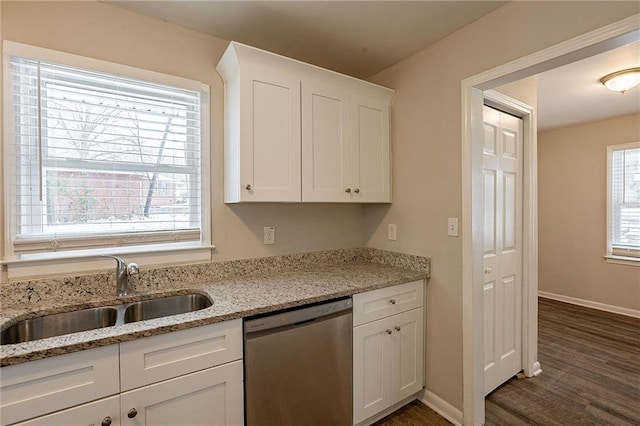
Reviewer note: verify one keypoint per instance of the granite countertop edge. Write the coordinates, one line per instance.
(233, 298)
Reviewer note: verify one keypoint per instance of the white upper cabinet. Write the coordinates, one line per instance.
(295, 132)
(262, 127)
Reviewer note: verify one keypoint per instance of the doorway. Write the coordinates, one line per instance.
(595, 42)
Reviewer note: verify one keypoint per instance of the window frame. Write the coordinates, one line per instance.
(610, 256)
(26, 265)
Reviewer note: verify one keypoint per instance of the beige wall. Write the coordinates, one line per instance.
(426, 134)
(108, 32)
(572, 176)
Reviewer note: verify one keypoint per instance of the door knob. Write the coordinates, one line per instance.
(392, 301)
(357, 190)
(487, 270)
(397, 327)
(132, 413)
(388, 331)
(106, 421)
(348, 190)
(248, 187)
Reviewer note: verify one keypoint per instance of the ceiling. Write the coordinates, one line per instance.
(573, 93)
(357, 38)
(361, 38)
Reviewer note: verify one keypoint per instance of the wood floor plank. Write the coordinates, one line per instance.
(590, 375)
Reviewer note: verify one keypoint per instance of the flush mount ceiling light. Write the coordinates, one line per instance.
(621, 81)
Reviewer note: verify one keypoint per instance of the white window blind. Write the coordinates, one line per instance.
(100, 160)
(624, 200)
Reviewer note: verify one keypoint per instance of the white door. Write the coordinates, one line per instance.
(370, 149)
(326, 164)
(208, 397)
(270, 135)
(502, 170)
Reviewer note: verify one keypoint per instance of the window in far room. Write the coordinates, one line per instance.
(623, 198)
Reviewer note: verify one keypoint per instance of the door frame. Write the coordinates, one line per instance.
(583, 46)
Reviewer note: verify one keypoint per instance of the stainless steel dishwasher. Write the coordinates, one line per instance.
(298, 366)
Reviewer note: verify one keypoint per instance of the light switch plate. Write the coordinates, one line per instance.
(391, 231)
(452, 227)
(269, 234)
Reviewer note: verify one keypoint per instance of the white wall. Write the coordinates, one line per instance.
(108, 32)
(426, 134)
(572, 185)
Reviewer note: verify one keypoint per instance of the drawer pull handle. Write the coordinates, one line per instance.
(392, 301)
(106, 421)
(132, 413)
(388, 331)
(397, 327)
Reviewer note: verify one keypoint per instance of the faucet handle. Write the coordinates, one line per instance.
(133, 269)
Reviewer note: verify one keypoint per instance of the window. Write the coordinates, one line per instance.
(624, 200)
(100, 159)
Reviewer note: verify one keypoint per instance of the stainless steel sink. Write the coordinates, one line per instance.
(166, 306)
(59, 324)
(106, 316)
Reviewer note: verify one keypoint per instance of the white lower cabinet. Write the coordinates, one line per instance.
(202, 383)
(209, 397)
(388, 357)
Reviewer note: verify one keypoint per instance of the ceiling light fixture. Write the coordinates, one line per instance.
(621, 81)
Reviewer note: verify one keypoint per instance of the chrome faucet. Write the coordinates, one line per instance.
(124, 272)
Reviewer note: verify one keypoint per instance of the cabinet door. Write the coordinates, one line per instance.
(407, 360)
(269, 134)
(208, 397)
(370, 149)
(102, 412)
(39, 387)
(371, 372)
(326, 164)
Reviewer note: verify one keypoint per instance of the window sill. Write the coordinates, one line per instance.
(68, 263)
(622, 260)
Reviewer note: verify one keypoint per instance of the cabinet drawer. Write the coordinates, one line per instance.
(376, 304)
(152, 359)
(43, 386)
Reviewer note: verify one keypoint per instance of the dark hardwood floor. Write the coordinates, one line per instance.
(590, 375)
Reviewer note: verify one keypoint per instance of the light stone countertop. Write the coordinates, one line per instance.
(233, 297)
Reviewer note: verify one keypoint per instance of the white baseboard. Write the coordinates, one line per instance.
(443, 408)
(590, 304)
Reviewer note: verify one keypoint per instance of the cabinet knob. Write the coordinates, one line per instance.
(357, 190)
(106, 421)
(388, 331)
(397, 327)
(392, 301)
(348, 190)
(487, 270)
(132, 413)
(248, 187)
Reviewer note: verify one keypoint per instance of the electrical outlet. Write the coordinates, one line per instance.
(391, 231)
(452, 227)
(269, 234)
